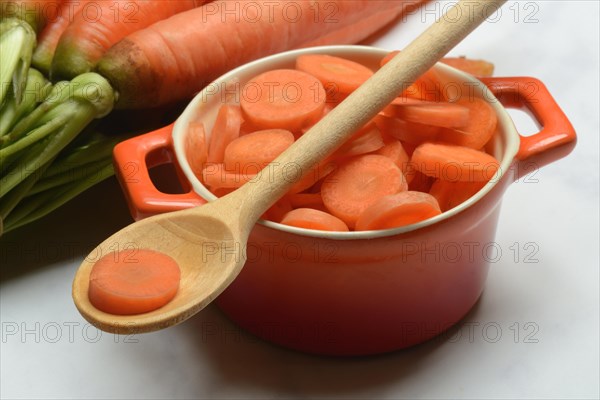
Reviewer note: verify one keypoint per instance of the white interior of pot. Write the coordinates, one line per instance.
(204, 108)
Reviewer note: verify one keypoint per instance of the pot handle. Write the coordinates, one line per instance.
(133, 158)
(556, 137)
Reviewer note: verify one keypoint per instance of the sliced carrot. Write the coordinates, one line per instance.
(397, 210)
(344, 76)
(256, 149)
(215, 176)
(418, 181)
(314, 219)
(442, 114)
(480, 127)
(357, 184)
(454, 163)
(136, 282)
(409, 132)
(426, 87)
(306, 200)
(479, 68)
(409, 147)
(196, 149)
(246, 128)
(395, 152)
(226, 129)
(366, 140)
(452, 194)
(328, 107)
(314, 175)
(277, 211)
(283, 98)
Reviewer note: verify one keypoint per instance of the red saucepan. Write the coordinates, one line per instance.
(350, 293)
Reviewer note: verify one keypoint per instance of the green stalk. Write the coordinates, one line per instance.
(31, 13)
(17, 41)
(84, 155)
(89, 96)
(58, 95)
(79, 173)
(36, 91)
(42, 204)
(35, 135)
(52, 146)
(16, 195)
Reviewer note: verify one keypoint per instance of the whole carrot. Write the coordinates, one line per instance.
(366, 27)
(49, 36)
(176, 57)
(100, 24)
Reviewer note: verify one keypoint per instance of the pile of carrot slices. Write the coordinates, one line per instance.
(422, 155)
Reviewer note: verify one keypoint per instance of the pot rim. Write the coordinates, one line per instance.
(505, 130)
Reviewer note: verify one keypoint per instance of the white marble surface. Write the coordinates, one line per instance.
(534, 334)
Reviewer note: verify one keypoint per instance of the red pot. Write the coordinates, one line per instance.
(354, 293)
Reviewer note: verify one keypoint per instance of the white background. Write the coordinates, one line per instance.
(534, 333)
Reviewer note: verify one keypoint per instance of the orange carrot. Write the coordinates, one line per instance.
(395, 152)
(246, 128)
(360, 182)
(226, 129)
(409, 132)
(454, 163)
(133, 282)
(328, 107)
(480, 127)
(343, 75)
(283, 98)
(196, 149)
(49, 37)
(314, 175)
(161, 63)
(366, 140)
(425, 87)
(215, 176)
(278, 210)
(101, 24)
(397, 210)
(256, 149)
(366, 27)
(442, 114)
(314, 219)
(306, 200)
(418, 181)
(452, 194)
(479, 68)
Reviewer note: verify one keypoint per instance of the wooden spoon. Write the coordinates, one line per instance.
(208, 242)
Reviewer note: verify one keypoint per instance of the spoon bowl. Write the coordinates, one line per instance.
(210, 248)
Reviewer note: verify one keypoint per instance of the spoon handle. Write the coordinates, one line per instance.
(364, 103)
